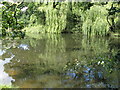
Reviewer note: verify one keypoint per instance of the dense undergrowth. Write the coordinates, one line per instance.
(88, 18)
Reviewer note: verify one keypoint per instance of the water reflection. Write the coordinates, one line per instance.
(24, 46)
(2, 52)
(51, 61)
(5, 79)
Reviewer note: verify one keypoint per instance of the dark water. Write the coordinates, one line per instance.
(60, 61)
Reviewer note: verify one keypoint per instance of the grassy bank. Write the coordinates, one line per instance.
(7, 86)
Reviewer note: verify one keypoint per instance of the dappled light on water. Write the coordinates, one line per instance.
(61, 61)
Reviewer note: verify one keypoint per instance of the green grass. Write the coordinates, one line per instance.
(7, 86)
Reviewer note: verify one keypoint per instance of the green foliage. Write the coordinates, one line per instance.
(113, 15)
(10, 21)
(61, 17)
(55, 17)
(94, 21)
(7, 86)
(36, 29)
(9, 16)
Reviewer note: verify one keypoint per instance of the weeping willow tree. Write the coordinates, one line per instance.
(94, 21)
(56, 14)
(59, 16)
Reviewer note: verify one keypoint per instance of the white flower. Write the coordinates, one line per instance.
(24, 9)
(102, 62)
(98, 62)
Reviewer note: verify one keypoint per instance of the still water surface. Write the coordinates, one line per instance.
(60, 61)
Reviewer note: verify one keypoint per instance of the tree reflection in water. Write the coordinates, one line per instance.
(65, 60)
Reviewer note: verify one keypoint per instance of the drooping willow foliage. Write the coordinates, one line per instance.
(88, 18)
(95, 22)
(85, 17)
(55, 17)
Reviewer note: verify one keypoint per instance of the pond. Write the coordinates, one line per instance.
(60, 61)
